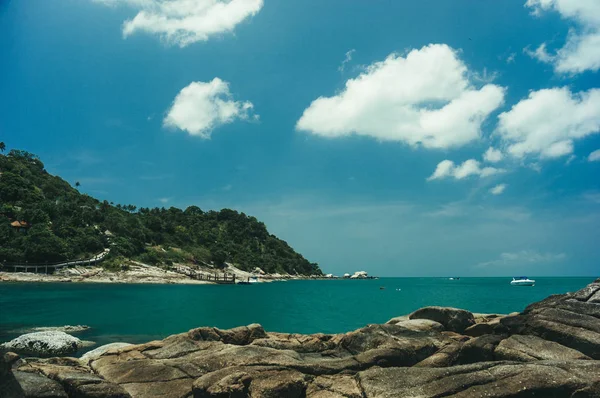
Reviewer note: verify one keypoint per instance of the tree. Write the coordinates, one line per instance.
(2, 146)
(77, 184)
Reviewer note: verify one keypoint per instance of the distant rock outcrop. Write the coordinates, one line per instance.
(550, 350)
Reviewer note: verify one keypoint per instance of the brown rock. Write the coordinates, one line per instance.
(532, 348)
(453, 319)
(259, 382)
(334, 387)
(487, 379)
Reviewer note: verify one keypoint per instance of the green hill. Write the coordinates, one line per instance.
(55, 222)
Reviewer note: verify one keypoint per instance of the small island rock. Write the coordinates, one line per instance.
(44, 344)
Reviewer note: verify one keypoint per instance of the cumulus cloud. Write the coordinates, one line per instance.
(425, 97)
(200, 107)
(581, 52)
(493, 155)
(498, 189)
(471, 167)
(523, 258)
(549, 121)
(594, 156)
(183, 22)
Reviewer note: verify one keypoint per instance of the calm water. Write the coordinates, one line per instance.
(138, 313)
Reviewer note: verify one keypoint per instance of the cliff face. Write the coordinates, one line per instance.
(552, 349)
(44, 219)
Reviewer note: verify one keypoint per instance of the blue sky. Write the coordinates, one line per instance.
(357, 132)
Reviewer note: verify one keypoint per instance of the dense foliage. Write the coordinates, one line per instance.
(59, 223)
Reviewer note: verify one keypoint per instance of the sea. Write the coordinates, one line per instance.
(139, 313)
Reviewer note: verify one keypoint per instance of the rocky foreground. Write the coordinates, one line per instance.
(552, 349)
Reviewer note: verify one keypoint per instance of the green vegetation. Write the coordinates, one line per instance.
(55, 222)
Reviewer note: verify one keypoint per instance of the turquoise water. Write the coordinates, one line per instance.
(138, 313)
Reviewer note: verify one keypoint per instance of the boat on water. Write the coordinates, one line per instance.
(454, 278)
(522, 281)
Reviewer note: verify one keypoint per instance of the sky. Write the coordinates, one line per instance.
(422, 138)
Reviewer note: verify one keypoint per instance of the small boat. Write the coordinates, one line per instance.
(522, 281)
(454, 278)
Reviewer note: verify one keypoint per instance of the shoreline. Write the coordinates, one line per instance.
(140, 273)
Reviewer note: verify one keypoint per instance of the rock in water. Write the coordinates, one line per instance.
(44, 344)
(453, 319)
(67, 328)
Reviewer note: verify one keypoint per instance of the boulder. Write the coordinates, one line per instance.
(260, 382)
(572, 320)
(488, 326)
(35, 385)
(44, 344)
(533, 348)
(96, 352)
(338, 386)
(453, 319)
(485, 379)
(478, 349)
(419, 324)
(239, 336)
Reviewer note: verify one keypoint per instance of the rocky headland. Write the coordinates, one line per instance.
(551, 349)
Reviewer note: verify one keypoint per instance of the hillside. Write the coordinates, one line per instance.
(43, 218)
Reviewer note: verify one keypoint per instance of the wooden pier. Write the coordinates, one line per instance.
(220, 278)
(49, 268)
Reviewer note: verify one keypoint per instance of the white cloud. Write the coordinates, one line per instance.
(447, 168)
(164, 200)
(423, 98)
(523, 258)
(346, 60)
(548, 121)
(581, 52)
(594, 156)
(498, 189)
(493, 155)
(511, 58)
(201, 107)
(183, 22)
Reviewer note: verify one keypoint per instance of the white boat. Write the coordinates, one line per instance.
(522, 281)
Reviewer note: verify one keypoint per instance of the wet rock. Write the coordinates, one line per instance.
(533, 348)
(44, 344)
(453, 319)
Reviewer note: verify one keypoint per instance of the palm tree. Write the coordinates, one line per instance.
(77, 184)
(2, 146)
